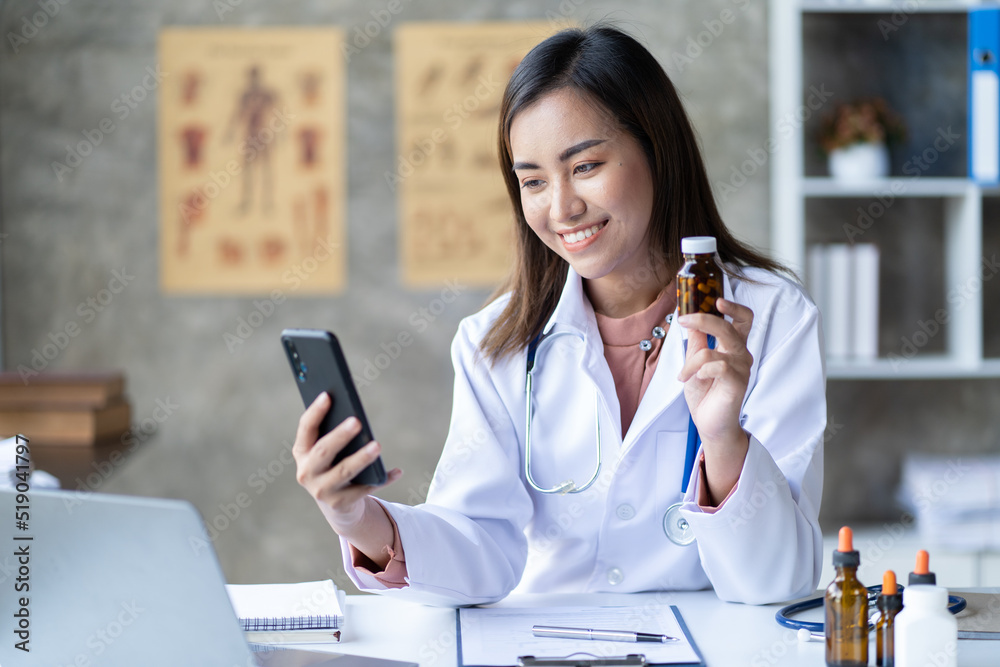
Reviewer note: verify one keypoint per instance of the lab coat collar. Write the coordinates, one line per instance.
(573, 309)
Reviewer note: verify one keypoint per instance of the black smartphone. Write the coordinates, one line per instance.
(319, 365)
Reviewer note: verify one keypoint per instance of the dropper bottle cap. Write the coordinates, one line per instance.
(889, 597)
(845, 555)
(921, 573)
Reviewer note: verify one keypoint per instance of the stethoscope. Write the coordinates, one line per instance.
(675, 526)
(808, 630)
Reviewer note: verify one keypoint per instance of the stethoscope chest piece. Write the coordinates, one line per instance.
(676, 527)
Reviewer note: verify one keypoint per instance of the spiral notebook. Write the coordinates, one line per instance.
(289, 613)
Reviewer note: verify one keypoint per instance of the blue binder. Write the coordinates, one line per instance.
(984, 95)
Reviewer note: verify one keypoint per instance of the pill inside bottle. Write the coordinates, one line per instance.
(699, 282)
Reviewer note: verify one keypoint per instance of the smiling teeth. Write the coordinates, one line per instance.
(576, 237)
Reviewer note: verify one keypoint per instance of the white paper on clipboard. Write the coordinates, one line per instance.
(496, 636)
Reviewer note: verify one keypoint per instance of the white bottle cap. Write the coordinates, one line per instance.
(925, 597)
(698, 245)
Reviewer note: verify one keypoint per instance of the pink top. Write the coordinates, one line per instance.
(632, 369)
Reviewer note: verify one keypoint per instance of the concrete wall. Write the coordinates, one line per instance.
(236, 412)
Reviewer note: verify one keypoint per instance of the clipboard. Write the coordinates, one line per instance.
(629, 655)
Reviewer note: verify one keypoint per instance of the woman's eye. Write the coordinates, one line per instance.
(531, 184)
(586, 167)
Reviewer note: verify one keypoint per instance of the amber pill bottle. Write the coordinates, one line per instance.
(699, 282)
(846, 603)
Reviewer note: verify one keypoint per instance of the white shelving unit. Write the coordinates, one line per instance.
(791, 189)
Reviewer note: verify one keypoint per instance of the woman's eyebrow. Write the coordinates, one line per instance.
(582, 146)
(565, 155)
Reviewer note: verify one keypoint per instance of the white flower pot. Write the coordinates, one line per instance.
(859, 162)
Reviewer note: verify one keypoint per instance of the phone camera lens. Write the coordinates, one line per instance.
(302, 371)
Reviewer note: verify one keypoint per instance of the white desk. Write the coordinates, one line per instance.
(729, 635)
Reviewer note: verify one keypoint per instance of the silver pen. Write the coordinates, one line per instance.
(600, 635)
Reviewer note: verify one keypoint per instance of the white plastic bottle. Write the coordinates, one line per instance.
(926, 632)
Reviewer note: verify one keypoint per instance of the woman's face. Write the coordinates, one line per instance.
(586, 186)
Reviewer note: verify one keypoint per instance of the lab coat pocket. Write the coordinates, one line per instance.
(670, 449)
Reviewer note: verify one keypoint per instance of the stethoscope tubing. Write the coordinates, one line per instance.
(569, 486)
(956, 603)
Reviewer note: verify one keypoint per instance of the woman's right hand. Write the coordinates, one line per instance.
(343, 504)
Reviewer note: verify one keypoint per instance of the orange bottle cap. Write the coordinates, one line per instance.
(846, 540)
(923, 563)
(889, 583)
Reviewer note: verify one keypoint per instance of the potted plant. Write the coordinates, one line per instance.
(856, 137)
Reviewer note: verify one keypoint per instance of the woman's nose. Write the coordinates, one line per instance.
(566, 203)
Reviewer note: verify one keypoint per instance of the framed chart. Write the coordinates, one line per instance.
(251, 158)
(455, 217)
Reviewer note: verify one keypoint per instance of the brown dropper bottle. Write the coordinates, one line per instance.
(846, 603)
(889, 603)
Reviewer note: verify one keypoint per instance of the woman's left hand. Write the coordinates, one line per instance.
(715, 383)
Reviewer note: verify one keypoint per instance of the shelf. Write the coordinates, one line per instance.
(899, 187)
(923, 368)
(923, 71)
(883, 7)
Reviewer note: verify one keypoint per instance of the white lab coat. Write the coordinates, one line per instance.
(484, 533)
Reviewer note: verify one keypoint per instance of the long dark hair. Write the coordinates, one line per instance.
(616, 72)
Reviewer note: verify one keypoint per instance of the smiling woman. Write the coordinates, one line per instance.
(566, 462)
(587, 193)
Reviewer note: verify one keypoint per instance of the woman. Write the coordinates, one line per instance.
(605, 178)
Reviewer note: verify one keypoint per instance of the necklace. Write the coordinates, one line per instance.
(658, 332)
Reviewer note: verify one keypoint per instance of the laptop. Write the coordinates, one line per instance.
(98, 579)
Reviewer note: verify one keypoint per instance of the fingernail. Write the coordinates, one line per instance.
(371, 447)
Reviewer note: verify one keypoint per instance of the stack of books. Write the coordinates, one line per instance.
(77, 409)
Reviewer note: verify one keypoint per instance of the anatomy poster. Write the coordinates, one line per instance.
(455, 217)
(252, 150)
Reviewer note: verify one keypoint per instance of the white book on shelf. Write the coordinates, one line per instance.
(839, 320)
(866, 302)
(816, 276)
